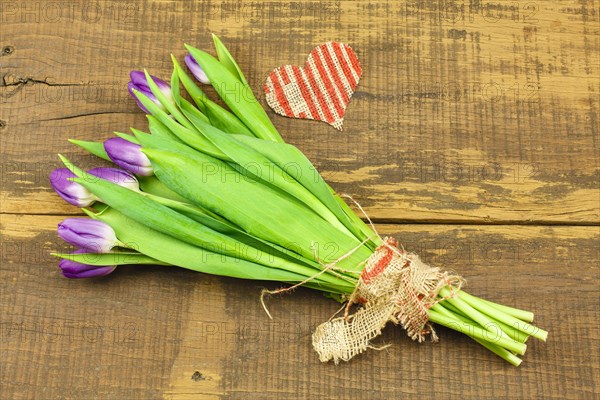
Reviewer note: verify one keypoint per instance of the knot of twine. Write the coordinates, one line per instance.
(394, 286)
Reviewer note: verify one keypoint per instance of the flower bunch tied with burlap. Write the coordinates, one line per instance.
(215, 189)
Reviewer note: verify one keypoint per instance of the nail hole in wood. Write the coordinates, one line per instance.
(197, 376)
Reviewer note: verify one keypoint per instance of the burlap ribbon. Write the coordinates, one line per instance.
(394, 286)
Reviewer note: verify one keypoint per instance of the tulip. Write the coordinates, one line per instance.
(139, 83)
(72, 192)
(196, 69)
(89, 234)
(76, 194)
(75, 270)
(118, 176)
(128, 155)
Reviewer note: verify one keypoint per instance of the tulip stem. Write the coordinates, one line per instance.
(495, 348)
(504, 318)
(477, 331)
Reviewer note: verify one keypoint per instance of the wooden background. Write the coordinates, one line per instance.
(472, 137)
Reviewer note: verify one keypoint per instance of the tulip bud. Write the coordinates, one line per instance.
(196, 69)
(72, 192)
(75, 270)
(128, 155)
(139, 83)
(89, 234)
(118, 176)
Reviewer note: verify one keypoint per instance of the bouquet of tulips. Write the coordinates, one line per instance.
(217, 190)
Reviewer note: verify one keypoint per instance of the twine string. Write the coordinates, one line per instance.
(326, 267)
(357, 204)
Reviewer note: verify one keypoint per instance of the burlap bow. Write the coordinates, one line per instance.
(394, 286)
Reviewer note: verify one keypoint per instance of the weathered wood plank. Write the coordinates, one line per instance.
(467, 112)
(150, 332)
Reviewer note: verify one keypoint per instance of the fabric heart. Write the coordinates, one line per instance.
(320, 90)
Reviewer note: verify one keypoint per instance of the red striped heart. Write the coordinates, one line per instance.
(320, 90)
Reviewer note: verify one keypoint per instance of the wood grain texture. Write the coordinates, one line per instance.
(147, 332)
(475, 124)
(485, 112)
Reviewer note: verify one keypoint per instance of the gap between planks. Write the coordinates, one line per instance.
(385, 221)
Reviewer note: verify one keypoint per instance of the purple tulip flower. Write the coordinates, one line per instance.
(139, 83)
(79, 196)
(127, 155)
(72, 192)
(196, 69)
(75, 270)
(89, 234)
(118, 176)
